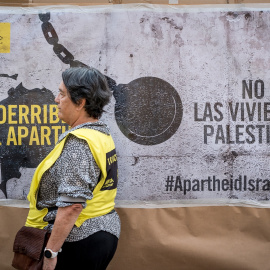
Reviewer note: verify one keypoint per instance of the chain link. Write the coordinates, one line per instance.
(62, 52)
(52, 38)
(45, 17)
(64, 55)
(49, 33)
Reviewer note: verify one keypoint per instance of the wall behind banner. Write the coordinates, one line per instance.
(197, 80)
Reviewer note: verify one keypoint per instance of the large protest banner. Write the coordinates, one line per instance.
(189, 115)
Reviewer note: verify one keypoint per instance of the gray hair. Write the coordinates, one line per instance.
(88, 83)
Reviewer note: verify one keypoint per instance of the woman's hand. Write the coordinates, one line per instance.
(49, 264)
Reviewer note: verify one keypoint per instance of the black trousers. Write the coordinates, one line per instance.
(92, 253)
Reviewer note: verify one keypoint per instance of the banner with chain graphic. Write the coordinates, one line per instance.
(190, 109)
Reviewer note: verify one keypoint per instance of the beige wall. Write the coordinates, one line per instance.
(186, 238)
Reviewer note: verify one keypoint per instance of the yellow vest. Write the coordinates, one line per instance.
(103, 150)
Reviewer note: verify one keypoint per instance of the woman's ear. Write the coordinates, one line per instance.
(81, 104)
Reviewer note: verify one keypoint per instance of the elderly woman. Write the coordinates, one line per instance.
(73, 189)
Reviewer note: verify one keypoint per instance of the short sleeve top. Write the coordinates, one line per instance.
(72, 179)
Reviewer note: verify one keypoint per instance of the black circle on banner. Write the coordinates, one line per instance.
(148, 110)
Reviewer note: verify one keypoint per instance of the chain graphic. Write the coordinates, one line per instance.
(52, 38)
(14, 77)
(148, 110)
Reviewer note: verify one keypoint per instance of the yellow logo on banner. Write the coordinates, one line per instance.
(4, 37)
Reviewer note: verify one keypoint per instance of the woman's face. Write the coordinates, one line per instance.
(66, 108)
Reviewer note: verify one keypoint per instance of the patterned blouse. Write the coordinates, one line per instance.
(72, 179)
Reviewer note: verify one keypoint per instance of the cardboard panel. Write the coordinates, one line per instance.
(193, 238)
(14, 2)
(12, 219)
(188, 238)
(249, 1)
(33, 3)
(86, 2)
